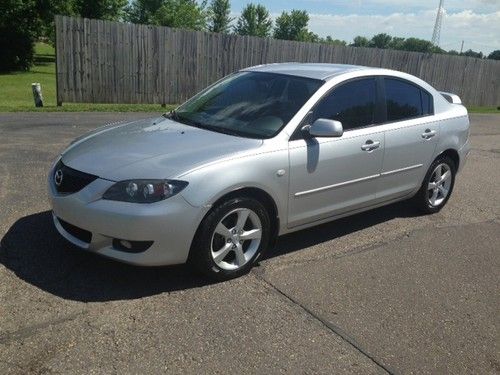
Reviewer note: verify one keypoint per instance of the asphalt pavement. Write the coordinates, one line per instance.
(385, 291)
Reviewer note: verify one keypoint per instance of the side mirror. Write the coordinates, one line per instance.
(323, 127)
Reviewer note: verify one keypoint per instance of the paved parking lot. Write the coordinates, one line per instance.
(386, 291)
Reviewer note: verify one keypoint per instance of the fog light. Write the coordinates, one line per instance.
(126, 244)
(131, 246)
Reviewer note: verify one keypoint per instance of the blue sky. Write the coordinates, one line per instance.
(477, 22)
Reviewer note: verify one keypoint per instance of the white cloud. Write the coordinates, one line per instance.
(480, 31)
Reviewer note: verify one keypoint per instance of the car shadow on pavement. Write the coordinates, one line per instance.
(37, 254)
(326, 232)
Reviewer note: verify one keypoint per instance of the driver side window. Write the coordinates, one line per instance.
(352, 103)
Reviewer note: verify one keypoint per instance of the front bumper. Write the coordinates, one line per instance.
(171, 224)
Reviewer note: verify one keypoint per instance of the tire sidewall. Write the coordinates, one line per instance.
(200, 254)
(423, 195)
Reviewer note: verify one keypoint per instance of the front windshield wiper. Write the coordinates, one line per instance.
(174, 115)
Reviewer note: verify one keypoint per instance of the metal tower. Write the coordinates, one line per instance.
(437, 26)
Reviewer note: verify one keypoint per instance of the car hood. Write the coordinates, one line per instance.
(151, 148)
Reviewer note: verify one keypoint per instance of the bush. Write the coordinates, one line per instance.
(19, 26)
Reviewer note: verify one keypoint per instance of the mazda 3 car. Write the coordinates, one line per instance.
(266, 151)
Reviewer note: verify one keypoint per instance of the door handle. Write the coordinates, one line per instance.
(370, 145)
(428, 134)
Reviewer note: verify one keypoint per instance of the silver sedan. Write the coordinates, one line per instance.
(263, 152)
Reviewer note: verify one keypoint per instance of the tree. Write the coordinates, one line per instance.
(335, 42)
(397, 43)
(184, 14)
(292, 26)
(360, 41)
(219, 16)
(19, 26)
(472, 53)
(495, 55)
(254, 20)
(417, 45)
(46, 10)
(142, 11)
(100, 9)
(380, 41)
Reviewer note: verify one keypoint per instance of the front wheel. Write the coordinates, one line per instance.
(231, 238)
(437, 186)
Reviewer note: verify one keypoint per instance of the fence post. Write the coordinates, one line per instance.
(36, 88)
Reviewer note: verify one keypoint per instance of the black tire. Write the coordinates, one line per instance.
(200, 255)
(422, 198)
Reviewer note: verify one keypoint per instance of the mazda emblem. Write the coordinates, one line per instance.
(58, 177)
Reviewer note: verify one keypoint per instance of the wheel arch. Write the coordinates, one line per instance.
(453, 155)
(253, 192)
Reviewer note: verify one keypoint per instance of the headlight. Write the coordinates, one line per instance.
(144, 191)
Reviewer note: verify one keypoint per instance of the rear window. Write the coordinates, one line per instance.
(405, 100)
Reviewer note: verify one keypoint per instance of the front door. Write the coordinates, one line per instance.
(331, 176)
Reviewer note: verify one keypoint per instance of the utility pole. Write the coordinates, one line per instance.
(462, 48)
(437, 26)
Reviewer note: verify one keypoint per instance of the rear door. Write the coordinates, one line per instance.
(410, 138)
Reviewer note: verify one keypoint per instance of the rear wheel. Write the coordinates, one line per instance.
(437, 186)
(231, 238)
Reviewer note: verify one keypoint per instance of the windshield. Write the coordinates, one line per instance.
(248, 104)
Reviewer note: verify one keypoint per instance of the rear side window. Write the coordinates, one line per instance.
(405, 100)
(427, 108)
(353, 104)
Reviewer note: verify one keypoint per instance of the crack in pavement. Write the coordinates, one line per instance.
(31, 330)
(329, 325)
(260, 274)
(369, 247)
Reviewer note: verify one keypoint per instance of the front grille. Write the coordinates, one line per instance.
(81, 234)
(69, 180)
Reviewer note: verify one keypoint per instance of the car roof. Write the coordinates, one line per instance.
(307, 70)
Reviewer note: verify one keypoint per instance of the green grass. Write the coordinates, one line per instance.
(473, 109)
(16, 95)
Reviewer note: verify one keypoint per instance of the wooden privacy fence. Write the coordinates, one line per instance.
(111, 62)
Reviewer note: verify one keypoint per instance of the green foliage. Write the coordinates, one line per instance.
(380, 41)
(46, 10)
(184, 14)
(415, 44)
(360, 41)
(293, 26)
(472, 53)
(335, 42)
(219, 16)
(19, 26)
(254, 20)
(397, 43)
(100, 9)
(405, 44)
(142, 11)
(495, 55)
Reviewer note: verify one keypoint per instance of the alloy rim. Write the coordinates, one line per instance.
(236, 239)
(439, 185)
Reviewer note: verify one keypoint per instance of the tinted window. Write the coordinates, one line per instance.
(405, 101)
(353, 104)
(248, 104)
(426, 103)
